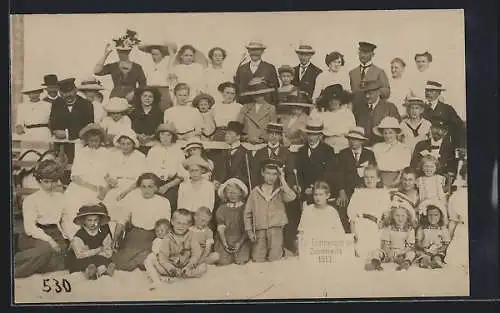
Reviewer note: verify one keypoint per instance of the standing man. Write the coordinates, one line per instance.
(373, 109)
(51, 84)
(256, 68)
(306, 72)
(435, 108)
(367, 71)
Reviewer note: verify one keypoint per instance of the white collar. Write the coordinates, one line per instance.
(434, 103)
(273, 147)
(436, 143)
(235, 145)
(315, 146)
(255, 63)
(306, 65)
(369, 63)
(373, 105)
(146, 110)
(52, 98)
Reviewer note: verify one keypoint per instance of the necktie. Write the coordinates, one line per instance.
(370, 107)
(414, 130)
(273, 153)
(302, 71)
(363, 71)
(356, 156)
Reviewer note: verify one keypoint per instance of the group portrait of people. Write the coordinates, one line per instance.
(189, 164)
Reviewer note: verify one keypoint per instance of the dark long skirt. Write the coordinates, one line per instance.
(293, 213)
(37, 256)
(134, 249)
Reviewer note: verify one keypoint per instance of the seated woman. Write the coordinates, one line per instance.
(165, 160)
(146, 116)
(42, 246)
(87, 175)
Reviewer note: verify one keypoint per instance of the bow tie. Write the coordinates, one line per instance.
(434, 147)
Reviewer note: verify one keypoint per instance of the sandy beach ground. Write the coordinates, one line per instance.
(285, 279)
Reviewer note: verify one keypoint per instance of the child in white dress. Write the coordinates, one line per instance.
(196, 191)
(431, 185)
(116, 119)
(187, 120)
(162, 227)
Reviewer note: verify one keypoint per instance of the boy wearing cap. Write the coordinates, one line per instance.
(50, 82)
(305, 73)
(264, 214)
(437, 108)
(437, 144)
(367, 71)
(352, 162)
(256, 68)
(369, 112)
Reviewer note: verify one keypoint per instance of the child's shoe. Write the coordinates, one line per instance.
(374, 265)
(403, 266)
(437, 263)
(91, 272)
(110, 270)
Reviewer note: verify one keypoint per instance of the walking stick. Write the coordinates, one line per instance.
(248, 171)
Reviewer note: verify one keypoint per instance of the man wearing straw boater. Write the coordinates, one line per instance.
(51, 84)
(91, 89)
(305, 73)
(256, 67)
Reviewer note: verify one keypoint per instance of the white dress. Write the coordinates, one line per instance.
(374, 202)
(184, 117)
(30, 113)
(328, 78)
(91, 165)
(113, 127)
(458, 251)
(156, 73)
(212, 78)
(391, 158)
(191, 197)
(226, 112)
(336, 125)
(166, 162)
(192, 75)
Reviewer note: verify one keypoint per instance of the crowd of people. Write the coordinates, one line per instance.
(189, 164)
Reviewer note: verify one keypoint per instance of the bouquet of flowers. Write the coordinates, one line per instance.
(127, 41)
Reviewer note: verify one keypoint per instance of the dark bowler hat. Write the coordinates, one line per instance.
(366, 46)
(50, 80)
(271, 163)
(439, 122)
(92, 209)
(67, 85)
(235, 126)
(370, 85)
(274, 128)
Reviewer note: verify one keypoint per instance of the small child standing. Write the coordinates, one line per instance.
(265, 215)
(232, 243)
(116, 120)
(319, 219)
(431, 185)
(196, 191)
(91, 247)
(204, 103)
(179, 252)
(397, 242)
(204, 235)
(162, 228)
(433, 236)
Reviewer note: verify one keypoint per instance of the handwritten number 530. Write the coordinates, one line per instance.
(56, 285)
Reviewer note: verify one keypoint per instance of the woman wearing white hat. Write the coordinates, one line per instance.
(32, 116)
(391, 155)
(116, 120)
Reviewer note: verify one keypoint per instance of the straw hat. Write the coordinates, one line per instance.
(92, 209)
(128, 133)
(356, 132)
(116, 105)
(412, 100)
(274, 128)
(193, 143)
(300, 100)
(255, 44)
(305, 48)
(91, 83)
(166, 127)
(90, 127)
(314, 126)
(387, 122)
(196, 160)
(32, 89)
(432, 202)
(257, 86)
(235, 181)
(434, 85)
(164, 47)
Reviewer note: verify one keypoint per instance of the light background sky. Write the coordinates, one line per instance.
(70, 45)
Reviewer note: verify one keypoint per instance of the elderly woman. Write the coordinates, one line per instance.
(126, 75)
(127, 164)
(42, 246)
(400, 85)
(146, 116)
(189, 66)
(87, 175)
(334, 75)
(165, 160)
(215, 74)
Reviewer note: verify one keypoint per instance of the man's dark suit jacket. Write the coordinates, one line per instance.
(265, 70)
(349, 178)
(308, 81)
(284, 155)
(232, 165)
(456, 129)
(447, 161)
(61, 118)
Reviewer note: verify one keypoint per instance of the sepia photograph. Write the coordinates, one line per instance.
(238, 156)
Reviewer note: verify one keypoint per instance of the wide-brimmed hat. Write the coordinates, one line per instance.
(413, 100)
(67, 85)
(366, 46)
(199, 57)
(434, 85)
(255, 44)
(356, 132)
(235, 181)
(257, 86)
(202, 96)
(305, 48)
(329, 93)
(422, 207)
(370, 85)
(92, 209)
(166, 127)
(274, 163)
(32, 89)
(387, 122)
(314, 126)
(198, 161)
(116, 105)
(224, 85)
(192, 143)
(236, 127)
(274, 127)
(90, 127)
(163, 47)
(50, 80)
(90, 83)
(128, 133)
(297, 100)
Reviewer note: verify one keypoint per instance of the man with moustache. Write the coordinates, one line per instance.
(50, 82)
(256, 68)
(305, 73)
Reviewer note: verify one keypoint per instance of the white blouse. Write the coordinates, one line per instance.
(225, 112)
(393, 157)
(165, 162)
(320, 221)
(374, 201)
(142, 212)
(192, 197)
(126, 167)
(91, 165)
(328, 78)
(113, 127)
(213, 77)
(99, 113)
(338, 122)
(156, 73)
(185, 118)
(190, 74)
(43, 208)
(29, 113)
